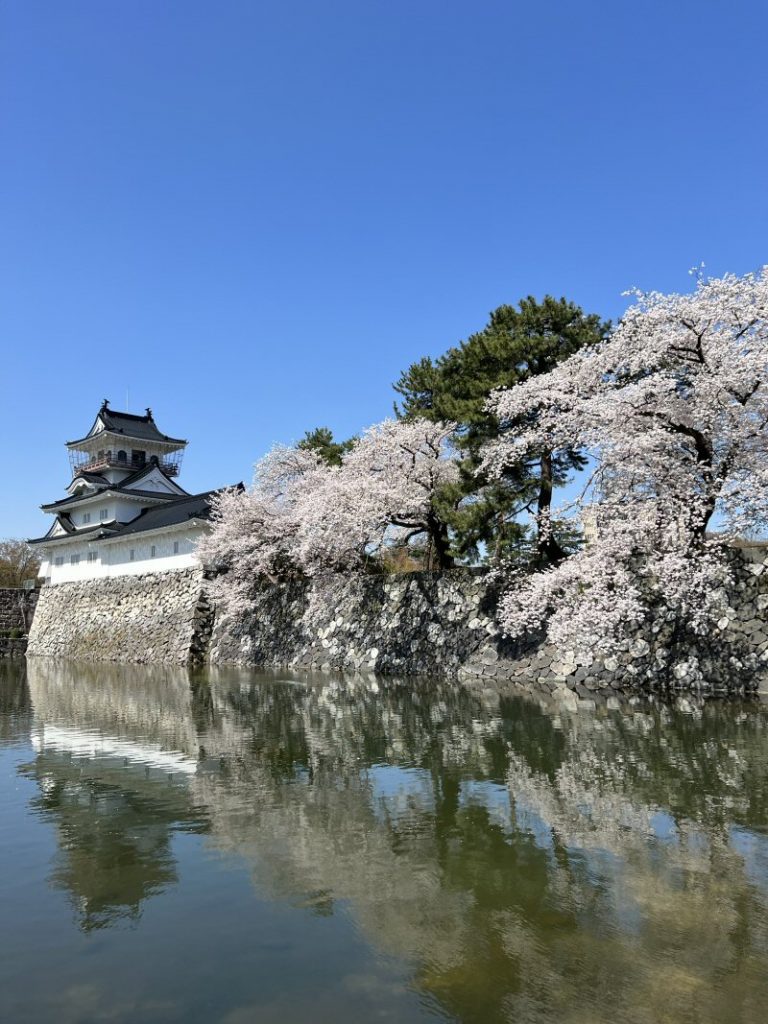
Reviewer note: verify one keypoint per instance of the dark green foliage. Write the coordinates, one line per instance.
(517, 343)
(320, 440)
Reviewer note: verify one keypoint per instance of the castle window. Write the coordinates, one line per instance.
(138, 457)
(103, 513)
(131, 554)
(86, 517)
(74, 559)
(93, 556)
(58, 560)
(175, 547)
(152, 551)
(122, 456)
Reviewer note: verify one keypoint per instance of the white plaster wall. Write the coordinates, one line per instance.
(114, 558)
(123, 511)
(119, 553)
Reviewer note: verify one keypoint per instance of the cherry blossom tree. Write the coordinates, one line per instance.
(673, 411)
(386, 489)
(394, 479)
(254, 532)
(305, 517)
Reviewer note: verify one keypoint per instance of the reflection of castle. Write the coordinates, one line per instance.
(518, 858)
(113, 763)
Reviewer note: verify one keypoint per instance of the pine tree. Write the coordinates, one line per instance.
(320, 440)
(516, 344)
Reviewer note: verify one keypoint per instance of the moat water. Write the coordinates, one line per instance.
(247, 848)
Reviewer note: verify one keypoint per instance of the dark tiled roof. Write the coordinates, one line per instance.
(143, 471)
(92, 478)
(87, 531)
(103, 484)
(130, 425)
(171, 513)
(110, 489)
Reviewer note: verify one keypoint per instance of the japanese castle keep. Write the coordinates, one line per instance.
(123, 580)
(124, 512)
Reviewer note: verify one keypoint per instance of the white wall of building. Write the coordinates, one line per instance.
(173, 549)
(113, 508)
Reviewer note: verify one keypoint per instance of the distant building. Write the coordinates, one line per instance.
(124, 512)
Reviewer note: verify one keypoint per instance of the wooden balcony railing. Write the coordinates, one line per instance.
(81, 462)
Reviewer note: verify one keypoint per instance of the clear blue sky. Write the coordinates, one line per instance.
(252, 215)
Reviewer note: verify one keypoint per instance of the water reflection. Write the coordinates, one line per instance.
(114, 756)
(525, 861)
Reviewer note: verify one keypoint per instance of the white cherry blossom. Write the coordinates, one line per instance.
(673, 410)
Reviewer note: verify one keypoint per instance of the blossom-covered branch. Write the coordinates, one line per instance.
(304, 516)
(673, 409)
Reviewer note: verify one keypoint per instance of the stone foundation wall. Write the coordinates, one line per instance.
(730, 660)
(13, 648)
(17, 608)
(157, 617)
(439, 624)
(414, 624)
(444, 624)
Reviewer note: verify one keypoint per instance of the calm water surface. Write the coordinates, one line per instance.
(245, 848)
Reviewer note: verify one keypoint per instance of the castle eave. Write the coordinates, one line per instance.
(88, 533)
(185, 524)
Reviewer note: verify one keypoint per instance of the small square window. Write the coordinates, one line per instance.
(175, 547)
(103, 513)
(86, 517)
(74, 559)
(59, 560)
(93, 556)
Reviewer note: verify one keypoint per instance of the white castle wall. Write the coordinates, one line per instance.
(114, 557)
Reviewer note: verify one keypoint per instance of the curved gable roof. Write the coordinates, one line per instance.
(95, 480)
(129, 425)
(148, 468)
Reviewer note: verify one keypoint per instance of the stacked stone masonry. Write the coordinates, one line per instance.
(17, 608)
(439, 624)
(444, 624)
(12, 648)
(158, 617)
(414, 624)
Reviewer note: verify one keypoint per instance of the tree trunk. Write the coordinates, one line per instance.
(499, 535)
(548, 551)
(439, 548)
